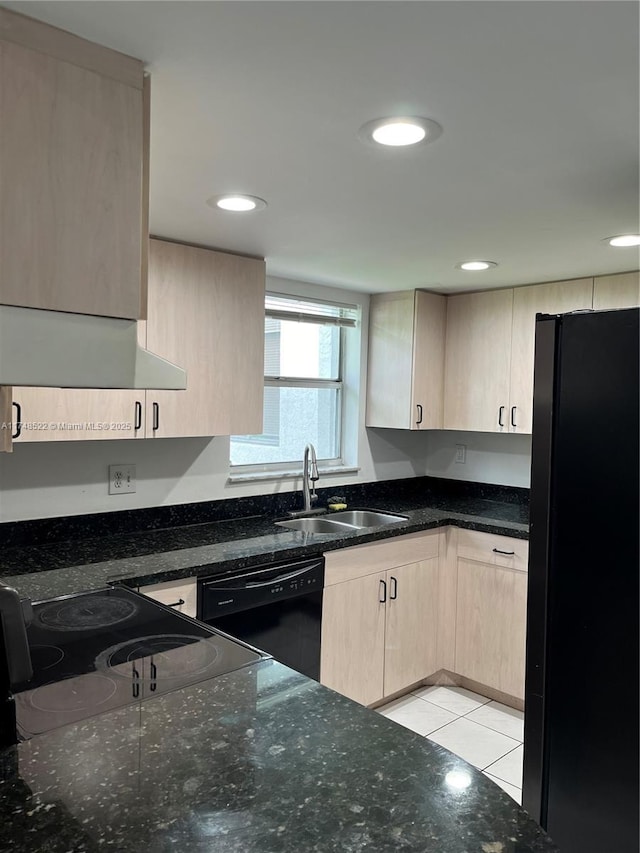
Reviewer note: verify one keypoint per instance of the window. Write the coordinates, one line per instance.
(304, 347)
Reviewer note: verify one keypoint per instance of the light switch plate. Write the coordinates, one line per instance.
(122, 479)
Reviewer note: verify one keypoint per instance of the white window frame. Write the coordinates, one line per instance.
(336, 464)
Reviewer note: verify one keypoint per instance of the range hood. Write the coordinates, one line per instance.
(62, 350)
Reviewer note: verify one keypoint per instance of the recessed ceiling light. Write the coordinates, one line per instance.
(624, 240)
(399, 131)
(476, 265)
(236, 202)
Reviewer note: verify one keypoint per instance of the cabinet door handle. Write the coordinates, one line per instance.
(177, 603)
(383, 591)
(137, 423)
(156, 416)
(513, 416)
(500, 413)
(419, 408)
(394, 589)
(506, 553)
(16, 434)
(154, 677)
(135, 687)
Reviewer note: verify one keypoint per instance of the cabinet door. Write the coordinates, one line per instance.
(427, 390)
(405, 376)
(553, 298)
(390, 360)
(78, 414)
(71, 149)
(616, 291)
(477, 364)
(352, 648)
(182, 595)
(411, 625)
(206, 313)
(491, 626)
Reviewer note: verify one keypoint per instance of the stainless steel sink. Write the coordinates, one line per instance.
(367, 518)
(316, 525)
(354, 519)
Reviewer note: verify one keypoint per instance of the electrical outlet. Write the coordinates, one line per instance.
(122, 479)
(461, 453)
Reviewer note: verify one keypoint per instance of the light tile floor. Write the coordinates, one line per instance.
(484, 733)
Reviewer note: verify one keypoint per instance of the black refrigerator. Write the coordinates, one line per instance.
(581, 746)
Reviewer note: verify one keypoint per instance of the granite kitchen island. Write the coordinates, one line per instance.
(261, 760)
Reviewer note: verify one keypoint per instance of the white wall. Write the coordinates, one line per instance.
(490, 457)
(45, 480)
(68, 478)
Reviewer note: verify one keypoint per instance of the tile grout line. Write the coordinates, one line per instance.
(464, 716)
(500, 759)
(497, 731)
(472, 711)
(493, 776)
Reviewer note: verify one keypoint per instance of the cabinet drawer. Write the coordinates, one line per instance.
(496, 550)
(181, 595)
(361, 560)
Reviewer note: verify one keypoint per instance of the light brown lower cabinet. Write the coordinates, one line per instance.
(182, 595)
(379, 629)
(456, 606)
(491, 623)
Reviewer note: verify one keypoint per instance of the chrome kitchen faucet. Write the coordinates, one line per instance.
(309, 478)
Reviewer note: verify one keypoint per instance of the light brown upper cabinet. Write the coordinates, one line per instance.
(72, 206)
(490, 352)
(77, 414)
(554, 298)
(406, 360)
(478, 361)
(206, 313)
(617, 291)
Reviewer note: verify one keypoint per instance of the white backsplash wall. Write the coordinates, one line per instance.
(46, 480)
(502, 458)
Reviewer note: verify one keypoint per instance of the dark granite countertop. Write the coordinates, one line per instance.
(261, 760)
(152, 556)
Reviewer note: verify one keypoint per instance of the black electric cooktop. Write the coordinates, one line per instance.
(97, 651)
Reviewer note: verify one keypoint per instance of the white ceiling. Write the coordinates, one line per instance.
(537, 163)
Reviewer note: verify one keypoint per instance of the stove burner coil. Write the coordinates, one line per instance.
(86, 613)
(84, 693)
(45, 657)
(171, 656)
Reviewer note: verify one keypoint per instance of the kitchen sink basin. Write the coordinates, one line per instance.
(354, 519)
(367, 518)
(316, 525)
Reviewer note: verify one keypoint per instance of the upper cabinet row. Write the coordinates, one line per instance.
(73, 160)
(200, 304)
(74, 237)
(465, 362)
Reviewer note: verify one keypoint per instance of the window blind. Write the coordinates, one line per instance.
(300, 310)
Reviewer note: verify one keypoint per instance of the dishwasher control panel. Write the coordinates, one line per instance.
(258, 587)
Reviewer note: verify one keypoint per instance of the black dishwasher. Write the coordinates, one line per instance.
(275, 607)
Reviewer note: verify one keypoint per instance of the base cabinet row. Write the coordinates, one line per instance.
(385, 629)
